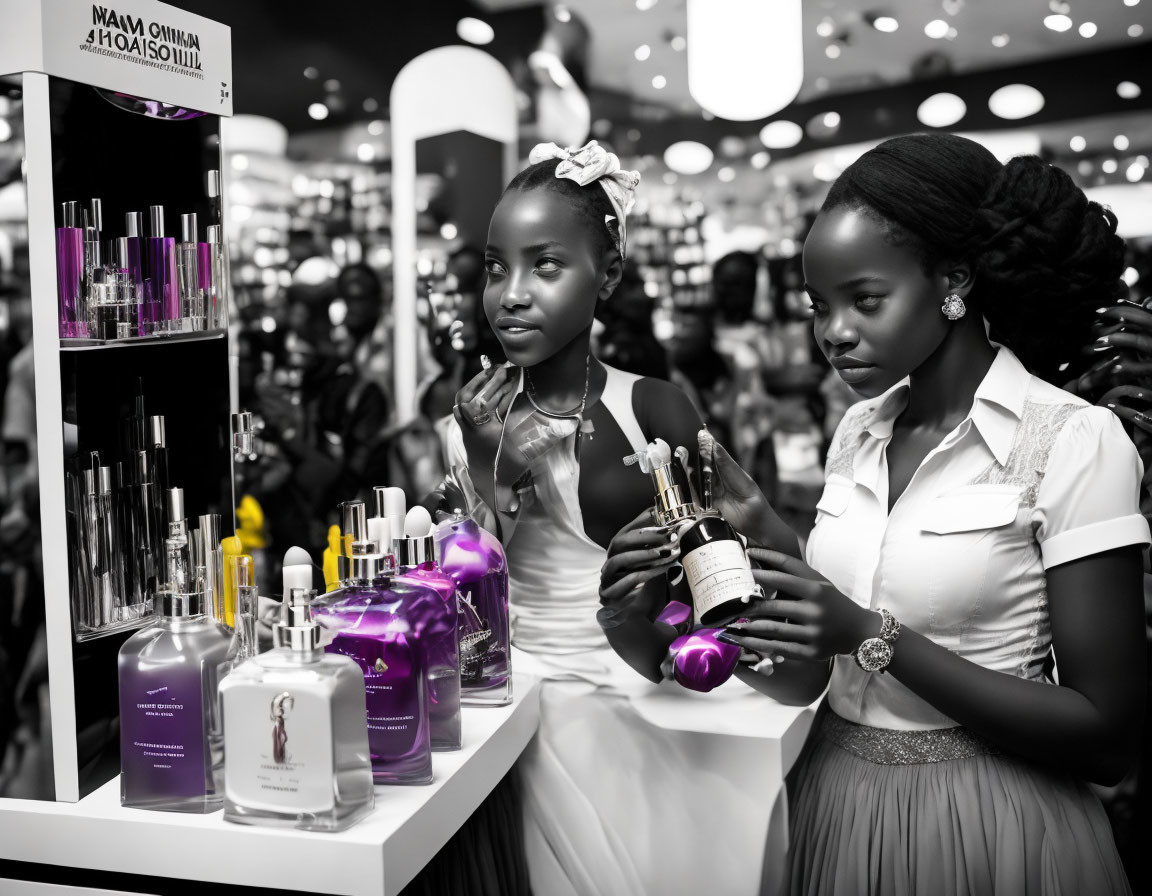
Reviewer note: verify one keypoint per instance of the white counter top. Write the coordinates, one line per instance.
(380, 855)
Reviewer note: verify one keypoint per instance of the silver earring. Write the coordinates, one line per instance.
(954, 307)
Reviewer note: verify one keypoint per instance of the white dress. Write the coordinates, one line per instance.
(613, 804)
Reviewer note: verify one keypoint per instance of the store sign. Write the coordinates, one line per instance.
(146, 49)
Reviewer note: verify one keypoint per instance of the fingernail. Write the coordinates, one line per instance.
(764, 667)
(673, 537)
(727, 639)
(1110, 405)
(508, 365)
(1103, 342)
(736, 626)
(1101, 310)
(777, 659)
(485, 362)
(1118, 368)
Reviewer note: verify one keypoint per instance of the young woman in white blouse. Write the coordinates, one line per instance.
(976, 521)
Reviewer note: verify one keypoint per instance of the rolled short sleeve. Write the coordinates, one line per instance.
(1089, 498)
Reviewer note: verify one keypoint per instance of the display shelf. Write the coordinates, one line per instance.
(380, 855)
(80, 344)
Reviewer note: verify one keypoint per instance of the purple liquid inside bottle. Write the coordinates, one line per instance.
(443, 651)
(69, 276)
(474, 558)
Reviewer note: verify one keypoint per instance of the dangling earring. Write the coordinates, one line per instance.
(954, 307)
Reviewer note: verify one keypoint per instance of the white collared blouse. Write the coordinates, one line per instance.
(1033, 477)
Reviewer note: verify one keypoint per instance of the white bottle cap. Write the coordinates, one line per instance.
(380, 532)
(297, 570)
(417, 522)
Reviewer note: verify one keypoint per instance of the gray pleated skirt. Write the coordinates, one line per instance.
(941, 812)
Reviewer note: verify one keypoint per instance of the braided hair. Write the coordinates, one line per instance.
(1044, 256)
(590, 202)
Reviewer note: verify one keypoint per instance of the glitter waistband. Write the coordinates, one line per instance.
(884, 746)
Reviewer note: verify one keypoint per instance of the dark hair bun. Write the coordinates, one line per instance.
(1046, 258)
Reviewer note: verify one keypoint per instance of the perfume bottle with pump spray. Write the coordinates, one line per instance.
(295, 732)
(385, 624)
(171, 742)
(70, 269)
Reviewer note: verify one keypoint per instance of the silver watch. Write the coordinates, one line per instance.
(875, 654)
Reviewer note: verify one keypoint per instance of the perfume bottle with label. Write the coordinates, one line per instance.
(416, 560)
(385, 623)
(715, 562)
(171, 742)
(295, 736)
(474, 558)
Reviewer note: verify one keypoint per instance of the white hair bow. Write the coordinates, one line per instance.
(593, 163)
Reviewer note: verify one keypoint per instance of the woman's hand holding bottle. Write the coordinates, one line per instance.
(639, 552)
(810, 619)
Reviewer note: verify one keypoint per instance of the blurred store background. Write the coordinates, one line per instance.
(738, 136)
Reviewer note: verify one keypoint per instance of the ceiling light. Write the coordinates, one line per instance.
(745, 57)
(5, 130)
(1128, 90)
(826, 28)
(688, 157)
(1063, 7)
(370, 105)
(659, 82)
(375, 128)
(311, 73)
(726, 174)
(679, 43)
(1131, 2)
(318, 111)
(645, 5)
(365, 152)
(633, 135)
(887, 24)
(448, 230)
(1057, 22)
(1135, 30)
(1000, 40)
(642, 52)
(1084, 167)
(1015, 101)
(781, 134)
(732, 147)
(240, 162)
(332, 85)
(1131, 276)
(941, 110)
(475, 31)
(1120, 142)
(760, 160)
(831, 120)
(1135, 172)
(1109, 166)
(936, 29)
(1077, 144)
(1088, 29)
(562, 13)
(832, 51)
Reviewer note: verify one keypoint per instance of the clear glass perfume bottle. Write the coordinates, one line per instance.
(474, 558)
(416, 561)
(192, 302)
(384, 623)
(171, 742)
(296, 740)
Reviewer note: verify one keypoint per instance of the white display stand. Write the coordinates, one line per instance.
(376, 857)
(145, 49)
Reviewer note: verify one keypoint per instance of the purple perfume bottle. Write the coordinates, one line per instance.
(133, 263)
(474, 558)
(171, 737)
(416, 559)
(70, 270)
(381, 622)
(161, 306)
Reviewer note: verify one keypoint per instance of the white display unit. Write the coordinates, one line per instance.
(145, 49)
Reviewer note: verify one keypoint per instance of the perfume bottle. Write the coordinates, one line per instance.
(133, 263)
(161, 292)
(384, 623)
(474, 558)
(416, 560)
(188, 277)
(70, 269)
(295, 733)
(715, 562)
(171, 742)
(178, 568)
(219, 286)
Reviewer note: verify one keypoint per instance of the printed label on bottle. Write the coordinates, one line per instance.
(717, 572)
(162, 736)
(279, 750)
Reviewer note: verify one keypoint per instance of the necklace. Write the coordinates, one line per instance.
(586, 427)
